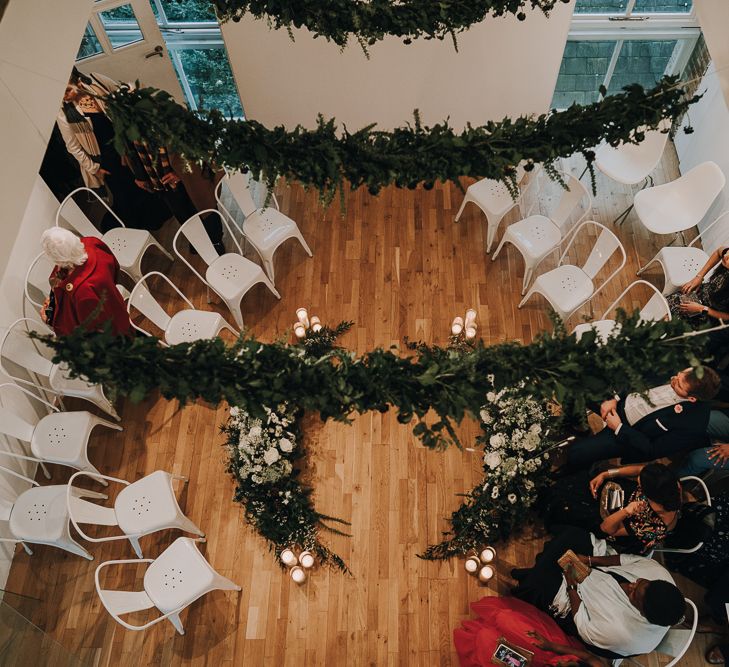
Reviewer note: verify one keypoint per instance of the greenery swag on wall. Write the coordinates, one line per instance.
(405, 156)
(370, 21)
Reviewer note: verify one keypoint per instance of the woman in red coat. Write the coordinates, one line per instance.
(83, 284)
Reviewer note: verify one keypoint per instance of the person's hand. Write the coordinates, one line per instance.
(171, 179)
(144, 185)
(45, 305)
(103, 172)
(692, 285)
(540, 641)
(691, 307)
(596, 482)
(606, 407)
(569, 576)
(583, 559)
(719, 454)
(632, 508)
(613, 420)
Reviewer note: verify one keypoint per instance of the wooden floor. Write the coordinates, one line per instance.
(400, 268)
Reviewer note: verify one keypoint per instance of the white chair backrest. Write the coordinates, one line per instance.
(37, 286)
(655, 309)
(142, 299)
(8, 497)
(240, 187)
(607, 243)
(17, 347)
(719, 229)
(693, 193)
(70, 212)
(575, 197)
(677, 640)
(194, 231)
(635, 161)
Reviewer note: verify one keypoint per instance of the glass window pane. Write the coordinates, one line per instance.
(187, 11)
(641, 61)
(90, 45)
(600, 6)
(583, 69)
(121, 26)
(675, 6)
(211, 81)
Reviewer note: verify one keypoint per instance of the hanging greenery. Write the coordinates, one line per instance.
(404, 157)
(452, 382)
(371, 20)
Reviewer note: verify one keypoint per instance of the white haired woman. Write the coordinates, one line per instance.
(83, 284)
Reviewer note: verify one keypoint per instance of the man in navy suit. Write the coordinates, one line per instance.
(672, 418)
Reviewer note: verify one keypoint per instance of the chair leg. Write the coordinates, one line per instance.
(46, 474)
(69, 544)
(175, 620)
(235, 311)
(183, 523)
(491, 229)
(162, 250)
(498, 249)
(528, 272)
(527, 297)
(86, 493)
(103, 422)
(28, 550)
(268, 268)
(465, 201)
(224, 584)
(643, 268)
(270, 286)
(303, 242)
(135, 545)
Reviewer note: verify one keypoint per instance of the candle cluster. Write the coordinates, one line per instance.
(303, 323)
(466, 326)
(481, 565)
(298, 566)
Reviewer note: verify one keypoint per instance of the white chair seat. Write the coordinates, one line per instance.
(147, 505)
(492, 197)
(60, 382)
(61, 437)
(187, 326)
(178, 576)
(603, 328)
(232, 275)
(568, 287)
(266, 229)
(536, 235)
(39, 515)
(127, 244)
(679, 265)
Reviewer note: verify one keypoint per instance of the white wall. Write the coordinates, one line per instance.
(713, 16)
(503, 67)
(38, 42)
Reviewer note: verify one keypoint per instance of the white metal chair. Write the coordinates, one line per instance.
(128, 245)
(494, 200)
(40, 515)
(264, 228)
(184, 326)
(630, 164)
(173, 581)
(17, 347)
(681, 204)
(654, 310)
(681, 264)
(230, 275)
(58, 437)
(675, 643)
(569, 286)
(536, 236)
(141, 508)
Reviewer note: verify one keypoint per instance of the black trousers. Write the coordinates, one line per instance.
(717, 597)
(179, 202)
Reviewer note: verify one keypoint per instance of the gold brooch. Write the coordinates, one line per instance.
(69, 287)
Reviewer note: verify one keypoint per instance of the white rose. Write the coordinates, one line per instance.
(492, 460)
(497, 440)
(491, 397)
(536, 428)
(255, 432)
(234, 412)
(512, 498)
(495, 492)
(484, 415)
(285, 445)
(271, 456)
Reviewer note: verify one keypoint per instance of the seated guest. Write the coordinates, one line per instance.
(702, 302)
(672, 418)
(83, 284)
(651, 499)
(523, 627)
(623, 607)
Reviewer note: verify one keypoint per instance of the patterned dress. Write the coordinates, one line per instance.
(713, 293)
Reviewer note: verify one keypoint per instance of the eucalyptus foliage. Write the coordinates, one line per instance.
(371, 20)
(326, 159)
(338, 384)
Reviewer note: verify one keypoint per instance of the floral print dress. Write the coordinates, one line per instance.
(713, 293)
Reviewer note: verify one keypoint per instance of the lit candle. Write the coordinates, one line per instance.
(303, 316)
(288, 557)
(472, 564)
(299, 330)
(488, 554)
(298, 575)
(486, 573)
(470, 332)
(315, 324)
(470, 318)
(306, 559)
(457, 326)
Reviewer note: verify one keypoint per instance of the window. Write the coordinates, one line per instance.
(121, 26)
(90, 45)
(614, 43)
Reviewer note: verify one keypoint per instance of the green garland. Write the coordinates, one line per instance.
(371, 21)
(450, 382)
(404, 157)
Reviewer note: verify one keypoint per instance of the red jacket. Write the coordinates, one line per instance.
(79, 294)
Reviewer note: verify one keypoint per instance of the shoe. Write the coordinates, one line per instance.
(717, 654)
